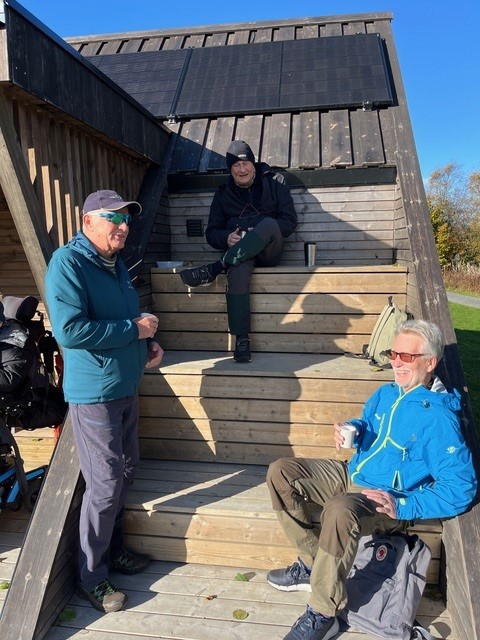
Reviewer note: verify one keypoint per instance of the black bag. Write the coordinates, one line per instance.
(42, 408)
(385, 585)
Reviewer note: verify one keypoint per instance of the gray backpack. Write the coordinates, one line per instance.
(385, 585)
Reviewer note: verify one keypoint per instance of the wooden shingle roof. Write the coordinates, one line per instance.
(317, 138)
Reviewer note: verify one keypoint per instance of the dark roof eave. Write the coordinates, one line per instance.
(154, 136)
(237, 26)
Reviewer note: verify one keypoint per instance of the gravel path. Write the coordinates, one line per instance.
(468, 301)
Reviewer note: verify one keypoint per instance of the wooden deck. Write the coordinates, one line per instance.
(190, 602)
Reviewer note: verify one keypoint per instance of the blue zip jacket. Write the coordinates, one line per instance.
(92, 313)
(410, 444)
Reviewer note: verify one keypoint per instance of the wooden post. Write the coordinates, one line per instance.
(33, 599)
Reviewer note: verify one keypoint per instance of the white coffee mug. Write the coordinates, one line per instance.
(348, 432)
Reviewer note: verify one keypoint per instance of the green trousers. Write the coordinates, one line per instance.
(261, 247)
(298, 487)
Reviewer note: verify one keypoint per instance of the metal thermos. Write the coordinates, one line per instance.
(310, 249)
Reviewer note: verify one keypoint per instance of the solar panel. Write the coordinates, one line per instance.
(267, 77)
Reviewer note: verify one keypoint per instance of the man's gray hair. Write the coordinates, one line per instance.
(431, 334)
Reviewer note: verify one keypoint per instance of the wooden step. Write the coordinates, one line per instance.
(294, 309)
(205, 407)
(217, 514)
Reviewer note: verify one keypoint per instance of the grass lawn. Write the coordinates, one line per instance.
(466, 322)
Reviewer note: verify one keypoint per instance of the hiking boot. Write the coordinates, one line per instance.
(242, 349)
(296, 577)
(199, 276)
(129, 563)
(313, 626)
(103, 597)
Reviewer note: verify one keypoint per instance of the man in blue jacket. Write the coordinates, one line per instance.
(95, 316)
(250, 216)
(411, 463)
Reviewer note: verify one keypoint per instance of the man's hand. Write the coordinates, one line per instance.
(147, 326)
(337, 436)
(155, 355)
(385, 501)
(234, 237)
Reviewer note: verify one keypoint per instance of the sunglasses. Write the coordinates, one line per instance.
(115, 217)
(404, 357)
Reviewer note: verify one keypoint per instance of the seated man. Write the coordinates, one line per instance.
(411, 463)
(250, 215)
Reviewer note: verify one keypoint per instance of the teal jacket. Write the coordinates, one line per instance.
(92, 311)
(410, 444)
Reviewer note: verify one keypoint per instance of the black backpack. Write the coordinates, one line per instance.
(37, 403)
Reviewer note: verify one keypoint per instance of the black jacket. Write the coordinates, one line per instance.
(268, 196)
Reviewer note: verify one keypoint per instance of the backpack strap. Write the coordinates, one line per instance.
(420, 633)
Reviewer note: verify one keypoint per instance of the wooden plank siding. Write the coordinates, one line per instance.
(64, 163)
(351, 226)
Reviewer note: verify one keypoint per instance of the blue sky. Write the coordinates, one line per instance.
(437, 42)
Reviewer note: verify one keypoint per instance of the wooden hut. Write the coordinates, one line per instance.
(150, 114)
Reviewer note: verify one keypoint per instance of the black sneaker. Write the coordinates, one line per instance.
(313, 626)
(296, 577)
(129, 563)
(103, 597)
(242, 349)
(198, 276)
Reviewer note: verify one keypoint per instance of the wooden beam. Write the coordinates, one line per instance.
(43, 555)
(26, 211)
(150, 194)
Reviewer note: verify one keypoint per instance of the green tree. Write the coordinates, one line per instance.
(444, 237)
(454, 201)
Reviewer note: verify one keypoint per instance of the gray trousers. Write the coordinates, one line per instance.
(298, 486)
(106, 435)
(261, 247)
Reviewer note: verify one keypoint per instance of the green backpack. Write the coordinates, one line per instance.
(383, 333)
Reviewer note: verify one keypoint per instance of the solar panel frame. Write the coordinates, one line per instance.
(269, 77)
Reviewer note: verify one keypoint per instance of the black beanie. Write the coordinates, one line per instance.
(239, 150)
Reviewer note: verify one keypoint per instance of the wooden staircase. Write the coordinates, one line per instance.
(209, 427)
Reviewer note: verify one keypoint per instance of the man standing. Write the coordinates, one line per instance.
(95, 316)
(411, 463)
(250, 215)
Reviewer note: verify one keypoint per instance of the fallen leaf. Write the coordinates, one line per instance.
(4, 584)
(67, 614)
(241, 577)
(240, 614)
(210, 597)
